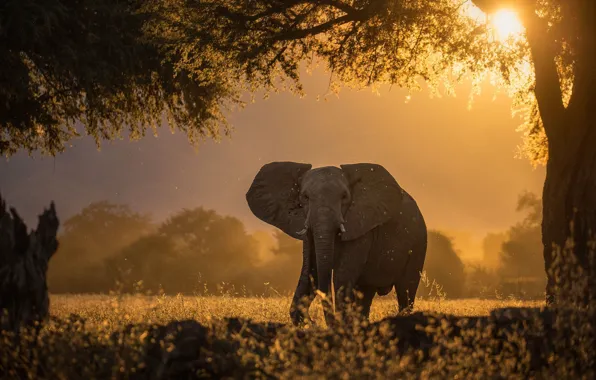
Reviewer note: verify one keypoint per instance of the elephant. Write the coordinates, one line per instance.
(355, 221)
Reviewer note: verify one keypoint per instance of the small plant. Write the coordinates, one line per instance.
(434, 289)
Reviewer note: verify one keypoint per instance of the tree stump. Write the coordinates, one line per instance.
(24, 260)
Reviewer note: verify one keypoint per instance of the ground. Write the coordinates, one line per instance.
(111, 311)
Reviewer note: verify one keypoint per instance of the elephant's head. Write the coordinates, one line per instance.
(322, 203)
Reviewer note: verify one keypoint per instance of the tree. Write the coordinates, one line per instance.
(146, 261)
(521, 254)
(282, 270)
(193, 248)
(443, 265)
(400, 42)
(64, 62)
(491, 249)
(96, 233)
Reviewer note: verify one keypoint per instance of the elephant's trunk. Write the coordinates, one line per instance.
(324, 233)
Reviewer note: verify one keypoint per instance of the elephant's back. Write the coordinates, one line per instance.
(410, 218)
(406, 232)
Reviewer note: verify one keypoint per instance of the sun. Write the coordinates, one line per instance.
(503, 23)
(506, 24)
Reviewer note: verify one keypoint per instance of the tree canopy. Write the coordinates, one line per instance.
(193, 248)
(116, 66)
(444, 266)
(402, 43)
(362, 43)
(95, 234)
(64, 62)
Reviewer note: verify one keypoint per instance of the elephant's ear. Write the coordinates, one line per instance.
(376, 198)
(274, 196)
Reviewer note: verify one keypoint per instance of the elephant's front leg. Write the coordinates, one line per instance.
(344, 293)
(345, 296)
(305, 290)
(351, 260)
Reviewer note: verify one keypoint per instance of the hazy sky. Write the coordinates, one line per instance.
(458, 164)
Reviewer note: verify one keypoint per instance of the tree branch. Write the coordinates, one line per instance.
(548, 88)
(347, 9)
(321, 28)
(238, 16)
(282, 8)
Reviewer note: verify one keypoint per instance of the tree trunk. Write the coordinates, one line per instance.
(23, 265)
(569, 204)
(569, 195)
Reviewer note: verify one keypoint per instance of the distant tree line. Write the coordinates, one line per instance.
(513, 263)
(109, 247)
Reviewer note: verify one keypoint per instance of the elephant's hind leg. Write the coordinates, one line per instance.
(405, 300)
(364, 300)
(407, 287)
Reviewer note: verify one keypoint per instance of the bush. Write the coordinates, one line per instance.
(443, 265)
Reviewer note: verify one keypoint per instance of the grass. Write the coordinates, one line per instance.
(113, 311)
(144, 337)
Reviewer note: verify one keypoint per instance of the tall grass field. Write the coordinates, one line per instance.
(111, 312)
(126, 336)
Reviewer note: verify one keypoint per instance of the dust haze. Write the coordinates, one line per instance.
(109, 247)
(459, 163)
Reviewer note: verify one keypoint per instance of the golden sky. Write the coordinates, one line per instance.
(458, 163)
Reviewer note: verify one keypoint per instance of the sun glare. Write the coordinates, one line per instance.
(506, 24)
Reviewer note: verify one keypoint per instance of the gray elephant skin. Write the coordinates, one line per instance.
(354, 220)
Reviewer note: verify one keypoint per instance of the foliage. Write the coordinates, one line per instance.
(107, 246)
(71, 64)
(123, 65)
(193, 248)
(363, 43)
(444, 266)
(282, 270)
(522, 268)
(482, 282)
(513, 263)
(115, 65)
(90, 237)
(400, 43)
(491, 249)
(145, 337)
